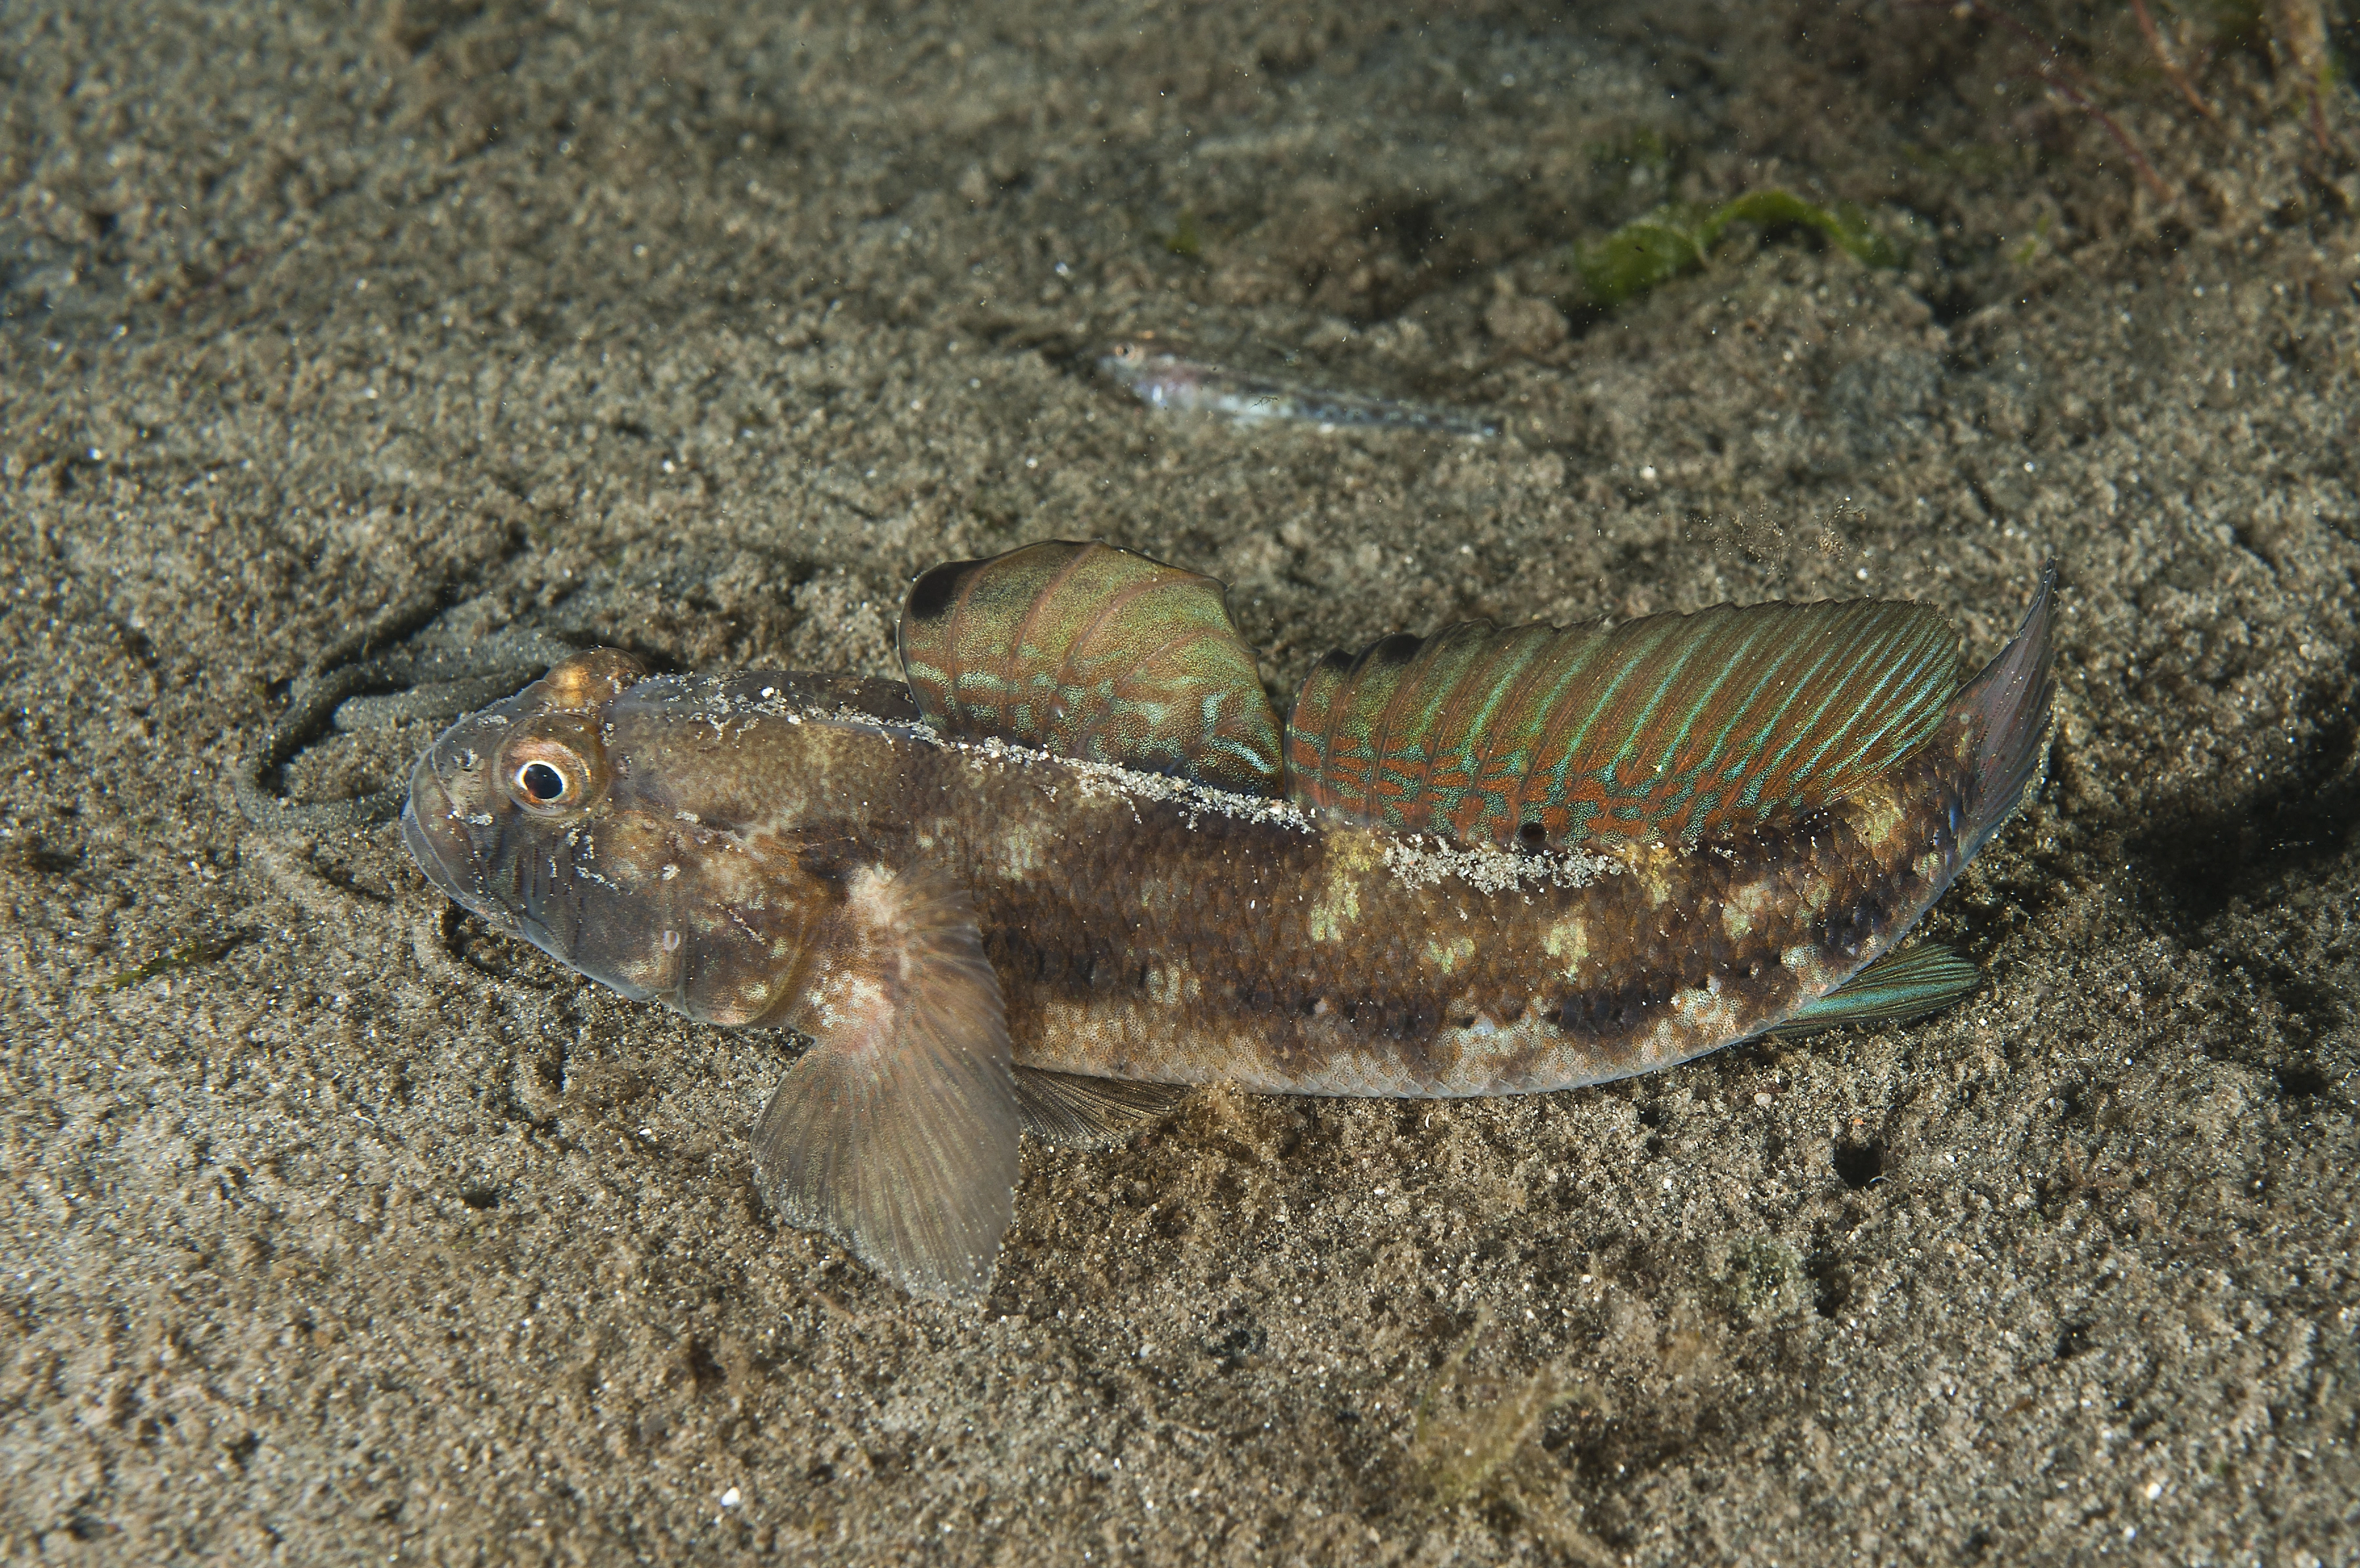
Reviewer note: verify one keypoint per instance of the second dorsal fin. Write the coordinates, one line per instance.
(1094, 652)
(1667, 728)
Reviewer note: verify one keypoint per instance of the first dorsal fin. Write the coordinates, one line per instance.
(1095, 652)
(1667, 728)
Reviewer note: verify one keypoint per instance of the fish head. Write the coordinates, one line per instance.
(1125, 361)
(1141, 364)
(569, 815)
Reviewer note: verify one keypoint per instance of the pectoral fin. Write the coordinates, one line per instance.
(1074, 1112)
(897, 1134)
(1908, 982)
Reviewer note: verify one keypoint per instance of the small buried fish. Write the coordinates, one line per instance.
(1191, 385)
(1076, 865)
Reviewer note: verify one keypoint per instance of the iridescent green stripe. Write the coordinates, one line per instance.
(1669, 726)
(1908, 983)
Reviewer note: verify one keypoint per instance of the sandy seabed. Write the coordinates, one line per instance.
(340, 1229)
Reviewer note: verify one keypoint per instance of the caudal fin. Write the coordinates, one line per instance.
(2008, 705)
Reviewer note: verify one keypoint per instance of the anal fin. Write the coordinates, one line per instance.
(1908, 982)
(897, 1133)
(1082, 1113)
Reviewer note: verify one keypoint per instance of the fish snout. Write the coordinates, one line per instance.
(441, 822)
(431, 848)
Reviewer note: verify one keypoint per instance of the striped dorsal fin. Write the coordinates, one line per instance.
(1095, 652)
(1667, 728)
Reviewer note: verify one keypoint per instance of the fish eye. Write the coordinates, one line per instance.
(541, 782)
(545, 776)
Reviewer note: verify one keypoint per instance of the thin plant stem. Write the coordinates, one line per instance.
(2170, 66)
(2057, 83)
(2057, 80)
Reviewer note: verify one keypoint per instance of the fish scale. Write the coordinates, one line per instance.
(1076, 865)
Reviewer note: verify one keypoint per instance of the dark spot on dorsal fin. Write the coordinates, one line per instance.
(933, 591)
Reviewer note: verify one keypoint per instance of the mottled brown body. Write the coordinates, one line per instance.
(1067, 863)
(1187, 949)
(1143, 929)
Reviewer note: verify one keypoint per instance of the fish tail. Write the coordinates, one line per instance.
(2007, 706)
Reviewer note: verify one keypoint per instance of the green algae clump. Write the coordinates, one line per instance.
(1672, 239)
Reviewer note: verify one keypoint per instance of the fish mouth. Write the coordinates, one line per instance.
(434, 830)
(424, 848)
